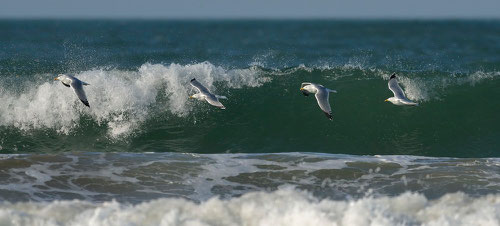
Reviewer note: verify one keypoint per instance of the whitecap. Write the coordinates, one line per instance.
(120, 100)
(283, 207)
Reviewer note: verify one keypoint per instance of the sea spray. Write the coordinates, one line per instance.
(282, 207)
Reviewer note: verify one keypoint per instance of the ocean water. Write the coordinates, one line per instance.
(145, 154)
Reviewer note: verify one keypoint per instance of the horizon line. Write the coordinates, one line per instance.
(250, 18)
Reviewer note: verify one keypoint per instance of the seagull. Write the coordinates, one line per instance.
(321, 94)
(399, 97)
(204, 94)
(76, 84)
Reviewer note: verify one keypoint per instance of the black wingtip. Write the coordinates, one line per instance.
(393, 75)
(329, 115)
(86, 103)
(194, 79)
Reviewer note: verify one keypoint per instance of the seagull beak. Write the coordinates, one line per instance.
(57, 78)
(386, 100)
(301, 89)
(190, 97)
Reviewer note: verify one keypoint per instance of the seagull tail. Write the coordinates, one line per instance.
(332, 91)
(220, 97)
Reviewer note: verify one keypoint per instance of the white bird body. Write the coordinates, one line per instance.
(399, 97)
(204, 94)
(76, 84)
(322, 96)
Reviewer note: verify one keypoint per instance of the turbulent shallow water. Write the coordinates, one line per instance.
(144, 153)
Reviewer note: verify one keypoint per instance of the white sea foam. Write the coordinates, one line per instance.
(283, 207)
(128, 177)
(119, 99)
(432, 88)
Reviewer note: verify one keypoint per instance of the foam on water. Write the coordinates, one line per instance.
(282, 207)
(128, 177)
(120, 100)
(423, 88)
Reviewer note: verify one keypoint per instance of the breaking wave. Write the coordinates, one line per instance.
(283, 207)
(150, 106)
(120, 100)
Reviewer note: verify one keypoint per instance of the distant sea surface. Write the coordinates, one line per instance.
(143, 147)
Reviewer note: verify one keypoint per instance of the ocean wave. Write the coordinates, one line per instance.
(120, 100)
(426, 88)
(134, 177)
(422, 86)
(283, 207)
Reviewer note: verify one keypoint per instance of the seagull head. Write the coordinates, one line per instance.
(308, 88)
(393, 100)
(197, 96)
(60, 77)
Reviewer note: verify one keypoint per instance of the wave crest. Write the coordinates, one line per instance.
(119, 99)
(283, 207)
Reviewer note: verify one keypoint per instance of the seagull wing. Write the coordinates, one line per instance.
(395, 88)
(78, 88)
(213, 100)
(322, 98)
(202, 89)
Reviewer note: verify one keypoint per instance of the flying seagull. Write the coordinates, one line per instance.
(204, 94)
(321, 94)
(76, 84)
(399, 97)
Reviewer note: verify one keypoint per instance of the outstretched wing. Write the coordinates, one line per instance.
(395, 88)
(211, 99)
(324, 104)
(199, 86)
(78, 88)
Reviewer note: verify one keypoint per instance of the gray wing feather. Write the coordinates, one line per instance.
(200, 87)
(322, 98)
(78, 88)
(211, 99)
(396, 89)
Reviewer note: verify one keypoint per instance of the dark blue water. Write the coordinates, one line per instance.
(73, 45)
